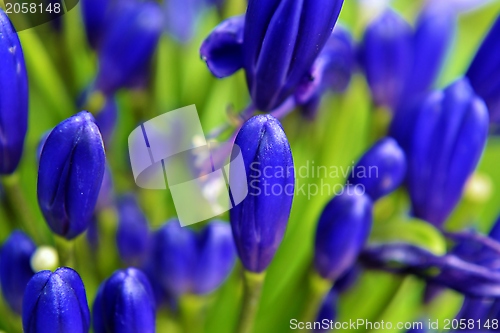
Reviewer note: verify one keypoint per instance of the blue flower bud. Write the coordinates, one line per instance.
(95, 15)
(15, 268)
(434, 32)
(446, 140)
(381, 170)
(222, 50)
(132, 236)
(56, 302)
(173, 257)
(216, 257)
(339, 60)
(332, 70)
(124, 303)
(183, 261)
(260, 220)
(128, 45)
(281, 41)
(343, 229)
(70, 174)
(484, 72)
(13, 96)
(387, 58)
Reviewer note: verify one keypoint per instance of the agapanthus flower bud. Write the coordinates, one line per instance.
(433, 35)
(387, 58)
(339, 60)
(13, 96)
(260, 220)
(216, 257)
(281, 41)
(132, 236)
(173, 257)
(128, 45)
(124, 303)
(183, 261)
(381, 170)
(56, 302)
(95, 17)
(70, 174)
(343, 229)
(446, 140)
(331, 71)
(222, 50)
(483, 72)
(15, 268)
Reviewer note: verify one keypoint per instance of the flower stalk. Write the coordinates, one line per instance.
(253, 283)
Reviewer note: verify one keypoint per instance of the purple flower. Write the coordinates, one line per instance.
(124, 303)
(381, 169)
(132, 236)
(484, 72)
(14, 97)
(343, 229)
(70, 174)
(106, 119)
(15, 268)
(56, 302)
(260, 220)
(443, 142)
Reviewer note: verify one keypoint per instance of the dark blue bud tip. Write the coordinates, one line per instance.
(57, 298)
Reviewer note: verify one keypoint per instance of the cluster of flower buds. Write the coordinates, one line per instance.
(276, 43)
(400, 63)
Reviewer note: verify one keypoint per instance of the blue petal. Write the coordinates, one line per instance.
(222, 49)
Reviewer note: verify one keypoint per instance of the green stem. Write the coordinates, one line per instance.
(66, 251)
(19, 205)
(192, 309)
(317, 288)
(253, 283)
(381, 120)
